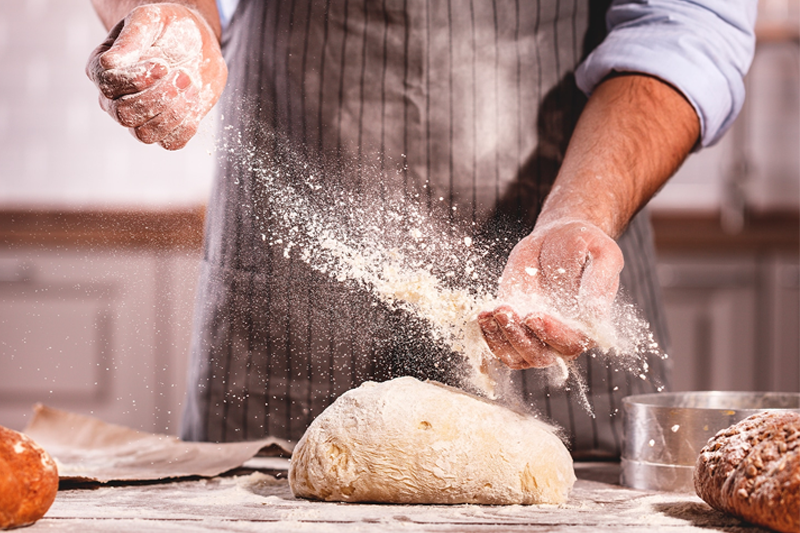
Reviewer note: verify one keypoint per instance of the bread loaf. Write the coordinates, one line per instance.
(752, 470)
(28, 480)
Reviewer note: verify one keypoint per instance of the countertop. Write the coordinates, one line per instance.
(259, 501)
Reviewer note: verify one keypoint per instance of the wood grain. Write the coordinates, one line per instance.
(175, 229)
(680, 232)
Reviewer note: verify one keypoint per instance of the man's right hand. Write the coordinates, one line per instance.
(159, 72)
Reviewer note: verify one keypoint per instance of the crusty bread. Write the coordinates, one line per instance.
(752, 470)
(28, 480)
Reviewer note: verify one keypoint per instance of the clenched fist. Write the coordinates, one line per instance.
(159, 72)
(569, 266)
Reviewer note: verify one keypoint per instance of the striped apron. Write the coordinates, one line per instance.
(465, 104)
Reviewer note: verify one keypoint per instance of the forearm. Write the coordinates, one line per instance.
(112, 11)
(633, 134)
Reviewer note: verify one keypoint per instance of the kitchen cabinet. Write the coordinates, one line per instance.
(96, 310)
(733, 321)
(731, 300)
(105, 333)
(93, 321)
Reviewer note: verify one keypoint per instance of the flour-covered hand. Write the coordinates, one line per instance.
(570, 267)
(159, 72)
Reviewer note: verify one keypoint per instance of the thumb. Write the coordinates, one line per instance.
(140, 30)
(600, 278)
(522, 273)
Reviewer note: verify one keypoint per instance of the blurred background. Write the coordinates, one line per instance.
(100, 235)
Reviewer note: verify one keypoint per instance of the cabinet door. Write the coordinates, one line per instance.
(100, 333)
(733, 322)
(782, 326)
(56, 341)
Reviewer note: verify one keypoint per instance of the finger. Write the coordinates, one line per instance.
(497, 342)
(567, 341)
(179, 137)
(161, 126)
(93, 66)
(600, 279)
(130, 80)
(532, 350)
(139, 31)
(134, 110)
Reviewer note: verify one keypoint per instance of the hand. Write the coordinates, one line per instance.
(159, 72)
(571, 267)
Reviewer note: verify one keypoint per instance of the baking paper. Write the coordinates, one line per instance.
(87, 449)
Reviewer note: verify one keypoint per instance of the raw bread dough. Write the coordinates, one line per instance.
(405, 441)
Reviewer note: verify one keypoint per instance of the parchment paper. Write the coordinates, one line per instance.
(88, 449)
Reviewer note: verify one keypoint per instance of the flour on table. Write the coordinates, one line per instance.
(405, 441)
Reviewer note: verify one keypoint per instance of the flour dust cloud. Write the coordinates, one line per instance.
(427, 266)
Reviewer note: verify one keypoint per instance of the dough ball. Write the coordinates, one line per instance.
(405, 441)
(28, 480)
(752, 470)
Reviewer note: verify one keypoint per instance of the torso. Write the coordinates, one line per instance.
(465, 105)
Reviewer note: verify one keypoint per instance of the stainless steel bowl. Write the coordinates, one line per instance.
(664, 433)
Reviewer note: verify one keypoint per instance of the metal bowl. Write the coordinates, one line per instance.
(664, 433)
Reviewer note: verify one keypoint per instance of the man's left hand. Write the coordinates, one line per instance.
(574, 267)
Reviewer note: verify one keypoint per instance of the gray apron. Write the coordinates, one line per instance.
(451, 104)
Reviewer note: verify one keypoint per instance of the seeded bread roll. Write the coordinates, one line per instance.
(28, 480)
(752, 470)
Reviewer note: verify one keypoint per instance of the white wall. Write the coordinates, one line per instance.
(768, 136)
(57, 147)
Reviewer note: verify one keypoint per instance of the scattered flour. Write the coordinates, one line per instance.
(411, 261)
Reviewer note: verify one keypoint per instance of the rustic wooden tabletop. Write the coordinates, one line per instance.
(257, 501)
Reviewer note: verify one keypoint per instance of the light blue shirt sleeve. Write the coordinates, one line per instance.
(226, 9)
(703, 48)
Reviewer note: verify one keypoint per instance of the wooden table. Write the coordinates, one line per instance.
(257, 501)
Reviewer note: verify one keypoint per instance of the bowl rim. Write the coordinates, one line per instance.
(716, 400)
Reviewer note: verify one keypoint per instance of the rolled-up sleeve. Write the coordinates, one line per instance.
(226, 9)
(702, 48)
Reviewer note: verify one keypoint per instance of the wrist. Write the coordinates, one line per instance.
(631, 137)
(112, 12)
(602, 210)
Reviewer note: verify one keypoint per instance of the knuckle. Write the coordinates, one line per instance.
(112, 108)
(108, 90)
(124, 115)
(111, 83)
(92, 68)
(104, 103)
(133, 111)
(173, 144)
(175, 141)
(105, 61)
(148, 134)
(542, 361)
(510, 362)
(518, 365)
